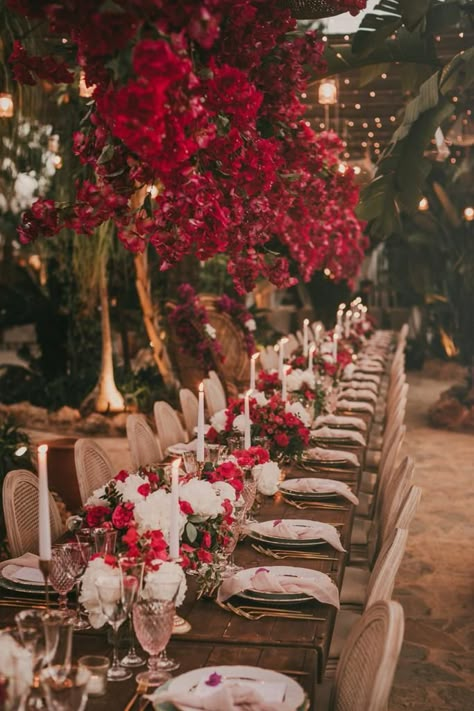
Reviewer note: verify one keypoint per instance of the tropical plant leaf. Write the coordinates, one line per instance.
(413, 12)
(376, 26)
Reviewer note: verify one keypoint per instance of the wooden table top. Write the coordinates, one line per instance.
(218, 636)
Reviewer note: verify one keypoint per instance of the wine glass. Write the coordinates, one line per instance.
(79, 554)
(167, 589)
(229, 565)
(116, 595)
(248, 494)
(153, 622)
(135, 568)
(62, 575)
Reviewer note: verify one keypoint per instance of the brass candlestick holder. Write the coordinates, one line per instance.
(45, 567)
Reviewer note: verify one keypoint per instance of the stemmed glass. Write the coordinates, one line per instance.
(249, 493)
(230, 567)
(153, 622)
(79, 554)
(116, 595)
(135, 568)
(168, 589)
(62, 575)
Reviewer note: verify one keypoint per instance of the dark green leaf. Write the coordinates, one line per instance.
(413, 12)
(376, 26)
(147, 206)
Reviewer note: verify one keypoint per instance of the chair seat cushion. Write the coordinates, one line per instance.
(366, 504)
(345, 621)
(360, 532)
(368, 482)
(354, 585)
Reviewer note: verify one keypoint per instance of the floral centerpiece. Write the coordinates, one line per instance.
(242, 317)
(196, 335)
(302, 386)
(283, 426)
(334, 368)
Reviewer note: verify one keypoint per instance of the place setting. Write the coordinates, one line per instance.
(317, 458)
(317, 493)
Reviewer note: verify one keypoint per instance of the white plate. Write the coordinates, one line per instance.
(285, 486)
(298, 523)
(281, 571)
(292, 692)
(31, 577)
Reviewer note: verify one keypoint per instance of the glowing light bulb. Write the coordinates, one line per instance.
(6, 105)
(423, 205)
(468, 213)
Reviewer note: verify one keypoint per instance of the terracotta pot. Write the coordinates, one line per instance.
(62, 477)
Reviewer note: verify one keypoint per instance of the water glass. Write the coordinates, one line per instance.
(116, 595)
(79, 554)
(153, 622)
(212, 453)
(98, 667)
(65, 693)
(105, 540)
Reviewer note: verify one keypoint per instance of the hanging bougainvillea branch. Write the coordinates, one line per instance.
(198, 100)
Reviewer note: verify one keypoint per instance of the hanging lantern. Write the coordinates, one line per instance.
(327, 92)
(6, 105)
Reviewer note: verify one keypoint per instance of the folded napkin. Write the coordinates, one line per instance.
(289, 529)
(183, 446)
(329, 433)
(24, 569)
(368, 377)
(339, 420)
(313, 485)
(319, 585)
(329, 454)
(227, 696)
(360, 385)
(353, 394)
(363, 406)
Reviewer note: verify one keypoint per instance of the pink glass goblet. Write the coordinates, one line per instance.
(153, 623)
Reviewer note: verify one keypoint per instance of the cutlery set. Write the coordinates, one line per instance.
(250, 612)
(280, 554)
(305, 504)
(142, 688)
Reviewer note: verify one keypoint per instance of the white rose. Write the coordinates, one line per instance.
(250, 324)
(218, 420)
(129, 488)
(95, 498)
(210, 330)
(298, 410)
(294, 380)
(260, 399)
(268, 476)
(96, 569)
(202, 497)
(239, 423)
(154, 513)
(163, 583)
(224, 490)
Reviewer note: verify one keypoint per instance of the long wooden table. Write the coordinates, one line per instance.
(298, 648)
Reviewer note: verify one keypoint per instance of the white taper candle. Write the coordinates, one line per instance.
(305, 337)
(253, 364)
(247, 434)
(44, 525)
(200, 425)
(174, 518)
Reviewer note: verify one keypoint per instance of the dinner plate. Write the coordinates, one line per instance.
(8, 576)
(346, 441)
(285, 487)
(181, 447)
(284, 597)
(325, 462)
(279, 686)
(38, 591)
(290, 542)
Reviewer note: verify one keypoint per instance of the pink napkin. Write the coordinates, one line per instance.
(227, 697)
(360, 394)
(359, 375)
(319, 585)
(355, 405)
(329, 454)
(313, 485)
(340, 420)
(359, 385)
(329, 433)
(289, 529)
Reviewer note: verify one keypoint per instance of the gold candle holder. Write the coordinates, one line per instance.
(45, 567)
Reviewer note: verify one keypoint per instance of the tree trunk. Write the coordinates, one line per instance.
(159, 351)
(108, 397)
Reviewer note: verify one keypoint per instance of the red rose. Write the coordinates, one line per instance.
(95, 515)
(186, 508)
(122, 475)
(131, 537)
(206, 539)
(204, 556)
(122, 515)
(212, 435)
(144, 489)
(282, 439)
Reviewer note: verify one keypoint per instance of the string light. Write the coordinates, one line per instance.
(325, 39)
(372, 94)
(322, 125)
(461, 35)
(423, 205)
(364, 144)
(350, 123)
(357, 106)
(304, 95)
(468, 213)
(370, 134)
(383, 76)
(365, 125)
(376, 145)
(6, 105)
(347, 155)
(393, 118)
(453, 160)
(346, 37)
(327, 272)
(347, 81)
(308, 123)
(455, 99)
(376, 119)
(341, 168)
(357, 169)
(377, 151)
